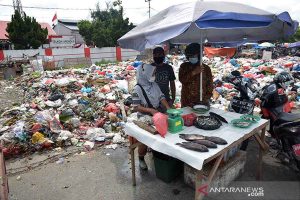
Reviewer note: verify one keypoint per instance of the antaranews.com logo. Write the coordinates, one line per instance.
(249, 191)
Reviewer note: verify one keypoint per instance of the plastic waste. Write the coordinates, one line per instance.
(37, 138)
(55, 104)
(93, 133)
(19, 131)
(86, 90)
(43, 116)
(55, 126)
(111, 107)
(89, 145)
(64, 135)
(61, 160)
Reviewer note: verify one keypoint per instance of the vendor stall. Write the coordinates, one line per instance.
(233, 135)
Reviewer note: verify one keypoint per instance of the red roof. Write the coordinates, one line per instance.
(3, 25)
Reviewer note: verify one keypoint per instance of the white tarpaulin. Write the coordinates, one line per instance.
(195, 159)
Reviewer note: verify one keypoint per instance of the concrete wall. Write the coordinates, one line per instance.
(58, 54)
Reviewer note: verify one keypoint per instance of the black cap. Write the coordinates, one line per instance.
(158, 50)
(192, 49)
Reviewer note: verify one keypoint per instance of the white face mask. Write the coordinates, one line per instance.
(193, 60)
(152, 79)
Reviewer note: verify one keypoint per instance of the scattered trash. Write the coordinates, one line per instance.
(60, 161)
(18, 178)
(89, 145)
(111, 146)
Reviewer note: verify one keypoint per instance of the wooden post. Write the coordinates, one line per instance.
(259, 166)
(198, 194)
(3, 177)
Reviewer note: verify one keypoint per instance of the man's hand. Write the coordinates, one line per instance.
(171, 102)
(153, 111)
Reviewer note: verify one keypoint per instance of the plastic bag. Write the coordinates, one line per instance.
(160, 121)
(55, 126)
(111, 107)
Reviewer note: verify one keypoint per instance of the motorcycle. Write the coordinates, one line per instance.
(284, 125)
(244, 102)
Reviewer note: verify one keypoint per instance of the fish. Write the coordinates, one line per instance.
(196, 137)
(207, 143)
(193, 146)
(191, 137)
(146, 127)
(242, 124)
(216, 140)
(219, 117)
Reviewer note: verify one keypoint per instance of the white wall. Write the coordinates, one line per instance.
(58, 54)
(105, 53)
(129, 54)
(18, 54)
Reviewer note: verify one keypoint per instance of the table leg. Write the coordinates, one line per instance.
(198, 180)
(259, 166)
(132, 165)
(201, 188)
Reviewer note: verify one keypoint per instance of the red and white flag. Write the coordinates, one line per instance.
(54, 19)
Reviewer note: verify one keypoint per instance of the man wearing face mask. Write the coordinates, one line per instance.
(165, 77)
(189, 76)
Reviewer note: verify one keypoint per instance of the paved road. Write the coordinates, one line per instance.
(105, 174)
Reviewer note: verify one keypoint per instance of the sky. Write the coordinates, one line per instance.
(135, 10)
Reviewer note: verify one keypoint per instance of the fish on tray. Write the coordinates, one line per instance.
(194, 137)
(193, 146)
(219, 117)
(207, 143)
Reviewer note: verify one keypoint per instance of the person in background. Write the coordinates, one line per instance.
(189, 76)
(147, 99)
(165, 77)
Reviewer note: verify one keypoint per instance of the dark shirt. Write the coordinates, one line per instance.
(164, 74)
(190, 92)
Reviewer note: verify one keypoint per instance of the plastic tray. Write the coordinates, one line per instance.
(233, 122)
(246, 118)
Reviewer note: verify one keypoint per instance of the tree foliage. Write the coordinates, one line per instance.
(25, 32)
(107, 26)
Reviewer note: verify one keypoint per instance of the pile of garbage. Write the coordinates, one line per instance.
(74, 107)
(261, 71)
(84, 107)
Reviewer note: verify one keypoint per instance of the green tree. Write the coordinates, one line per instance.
(25, 32)
(107, 26)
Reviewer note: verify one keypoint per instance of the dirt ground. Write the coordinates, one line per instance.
(10, 94)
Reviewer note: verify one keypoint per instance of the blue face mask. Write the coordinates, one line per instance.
(193, 60)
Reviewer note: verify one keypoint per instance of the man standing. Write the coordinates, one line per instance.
(189, 76)
(165, 77)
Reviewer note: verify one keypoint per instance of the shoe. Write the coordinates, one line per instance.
(143, 164)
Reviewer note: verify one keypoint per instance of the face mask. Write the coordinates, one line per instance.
(193, 60)
(152, 79)
(159, 60)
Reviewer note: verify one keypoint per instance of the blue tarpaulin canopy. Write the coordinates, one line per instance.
(294, 45)
(213, 21)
